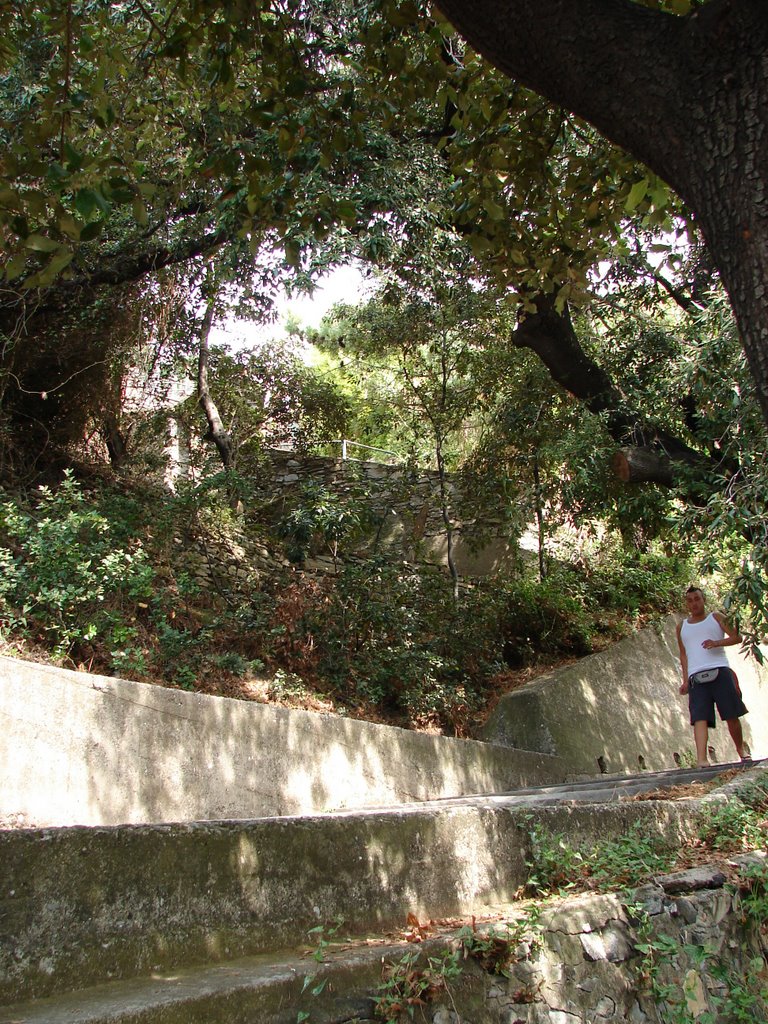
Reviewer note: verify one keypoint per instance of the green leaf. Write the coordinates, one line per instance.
(347, 211)
(494, 211)
(69, 226)
(91, 231)
(40, 243)
(15, 266)
(661, 195)
(292, 253)
(86, 202)
(140, 212)
(479, 244)
(20, 226)
(9, 199)
(402, 14)
(61, 260)
(74, 159)
(636, 195)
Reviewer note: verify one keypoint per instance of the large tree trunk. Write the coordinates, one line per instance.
(686, 95)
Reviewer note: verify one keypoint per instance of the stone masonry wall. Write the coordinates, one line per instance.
(405, 503)
(408, 505)
(587, 965)
(679, 949)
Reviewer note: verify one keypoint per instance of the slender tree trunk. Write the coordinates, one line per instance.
(686, 95)
(447, 521)
(115, 440)
(435, 418)
(444, 503)
(539, 518)
(216, 431)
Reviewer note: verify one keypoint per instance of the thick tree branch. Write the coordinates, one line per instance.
(118, 271)
(551, 336)
(602, 59)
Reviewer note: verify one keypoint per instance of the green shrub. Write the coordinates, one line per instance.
(68, 575)
(321, 522)
(107, 579)
(631, 582)
(741, 822)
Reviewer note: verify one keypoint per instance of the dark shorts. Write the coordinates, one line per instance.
(721, 693)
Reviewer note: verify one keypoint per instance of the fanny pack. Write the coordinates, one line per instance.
(705, 676)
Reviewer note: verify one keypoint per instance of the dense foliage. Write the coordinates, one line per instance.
(540, 305)
(101, 579)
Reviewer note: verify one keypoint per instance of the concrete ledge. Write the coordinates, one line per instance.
(84, 905)
(92, 750)
(620, 710)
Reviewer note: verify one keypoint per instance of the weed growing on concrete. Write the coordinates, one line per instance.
(409, 983)
(323, 935)
(553, 864)
(497, 949)
(688, 758)
(556, 867)
(742, 822)
(629, 859)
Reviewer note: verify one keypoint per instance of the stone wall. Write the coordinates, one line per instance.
(404, 504)
(680, 948)
(408, 507)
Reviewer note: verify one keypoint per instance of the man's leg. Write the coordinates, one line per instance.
(700, 736)
(734, 728)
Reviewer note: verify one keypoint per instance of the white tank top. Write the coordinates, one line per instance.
(693, 634)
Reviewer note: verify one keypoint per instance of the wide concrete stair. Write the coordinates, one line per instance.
(205, 921)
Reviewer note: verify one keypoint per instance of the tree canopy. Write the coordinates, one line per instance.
(150, 148)
(684, 89)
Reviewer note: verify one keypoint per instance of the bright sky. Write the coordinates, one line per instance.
(345, 284)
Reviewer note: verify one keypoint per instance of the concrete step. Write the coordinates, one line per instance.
(249, 990)
(81, 906)
(585, 958)
(599, 789)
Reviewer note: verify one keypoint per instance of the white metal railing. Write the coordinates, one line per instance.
(345, 445)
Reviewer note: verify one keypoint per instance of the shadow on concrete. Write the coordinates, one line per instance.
(80, 749)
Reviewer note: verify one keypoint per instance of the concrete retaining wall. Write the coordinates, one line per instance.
(92, 750)
(620, 710)
(580, 960)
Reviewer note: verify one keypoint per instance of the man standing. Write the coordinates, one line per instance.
(707, 678)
